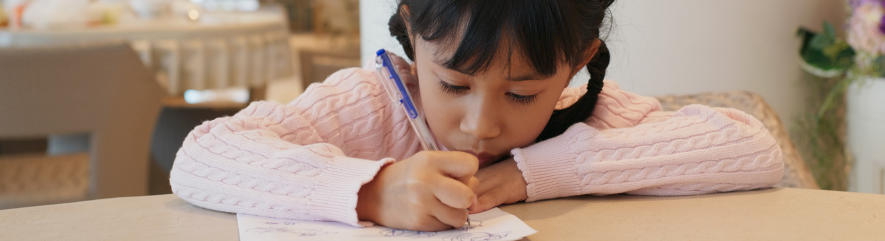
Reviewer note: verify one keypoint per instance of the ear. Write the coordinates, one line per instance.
(404, 14)
(589, 52)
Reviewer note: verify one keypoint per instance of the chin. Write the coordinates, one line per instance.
(490, 162)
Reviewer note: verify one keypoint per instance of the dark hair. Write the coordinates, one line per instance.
(547, 32)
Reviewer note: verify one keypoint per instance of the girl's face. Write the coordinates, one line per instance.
(491, 112)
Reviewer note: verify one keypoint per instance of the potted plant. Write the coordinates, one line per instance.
(856, 69)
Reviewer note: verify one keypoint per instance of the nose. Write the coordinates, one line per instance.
(480, 121)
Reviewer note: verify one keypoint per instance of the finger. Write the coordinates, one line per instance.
(487, 181)
(429, 223)
(473, 184)
(453, 193)
(489, 200)
(402, 66)
(398, 61)
(454, 217)
(458, 165)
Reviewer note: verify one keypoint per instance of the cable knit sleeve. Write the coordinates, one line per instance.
(630, 146)
(305, 160)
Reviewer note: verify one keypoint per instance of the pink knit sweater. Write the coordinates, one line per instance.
(308, 159)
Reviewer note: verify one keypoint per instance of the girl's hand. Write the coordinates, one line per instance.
(406, 71)
(501, 183)
(429, 191)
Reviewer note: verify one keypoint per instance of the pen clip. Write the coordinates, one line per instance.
(400, 93)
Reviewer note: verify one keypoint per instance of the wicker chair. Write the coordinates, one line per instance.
(796, 173)
(100, 91)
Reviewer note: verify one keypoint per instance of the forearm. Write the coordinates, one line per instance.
(699, 150)
(241, 164)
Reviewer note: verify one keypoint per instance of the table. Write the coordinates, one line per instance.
(219, 50)
(771, 214)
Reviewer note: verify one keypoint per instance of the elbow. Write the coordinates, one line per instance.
(768, 164)
(769, 170)
(177, 176)
(762, 163)
(761, 160)
(185, 163)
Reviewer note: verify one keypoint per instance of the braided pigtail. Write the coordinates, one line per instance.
(397, 27)
(562, 119)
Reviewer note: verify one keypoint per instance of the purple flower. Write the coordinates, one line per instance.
(856, 3)
(866, 31)
(882, 24)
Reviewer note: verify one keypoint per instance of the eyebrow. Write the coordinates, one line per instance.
(523, 77)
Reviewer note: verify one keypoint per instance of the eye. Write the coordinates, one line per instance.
(452, 89)
(523, 99)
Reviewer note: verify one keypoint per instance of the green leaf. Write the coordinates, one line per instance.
(827, 38)
(846, 56)
(821, 42)
(824, 54)
(879, 62)
(806, 35)
(829, 31)
(836, 61)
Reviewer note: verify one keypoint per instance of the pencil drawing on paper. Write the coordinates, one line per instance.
(480, 236)
(280, 223)
(473, 224)
(289, 230)
(492, 225)
(406, 233)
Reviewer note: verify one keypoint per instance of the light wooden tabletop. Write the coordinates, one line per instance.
(771, 214)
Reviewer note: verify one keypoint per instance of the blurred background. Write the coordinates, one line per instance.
(96, 96)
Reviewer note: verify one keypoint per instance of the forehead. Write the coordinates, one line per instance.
(508, 59)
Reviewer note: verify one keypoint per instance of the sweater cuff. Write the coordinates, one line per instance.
(549, 168)
(335, 194)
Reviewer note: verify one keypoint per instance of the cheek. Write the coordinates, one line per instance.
(526, 124)
(440, 110)
(536, 116)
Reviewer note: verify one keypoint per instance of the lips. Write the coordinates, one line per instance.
(483, 157)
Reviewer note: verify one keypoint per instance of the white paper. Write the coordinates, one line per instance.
(490, 225)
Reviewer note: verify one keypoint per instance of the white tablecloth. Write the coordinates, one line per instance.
(219, 50)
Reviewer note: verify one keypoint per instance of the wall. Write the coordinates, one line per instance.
(688, 46)
(374, 34)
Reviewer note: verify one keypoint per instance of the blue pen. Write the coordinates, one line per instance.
(399, 94)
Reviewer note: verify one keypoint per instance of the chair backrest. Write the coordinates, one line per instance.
(316, 66)
(796, 173)
(102, 89)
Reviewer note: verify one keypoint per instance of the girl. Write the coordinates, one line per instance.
(491, 76)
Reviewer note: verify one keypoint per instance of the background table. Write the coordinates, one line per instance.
(219, 50)
(772, 214)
